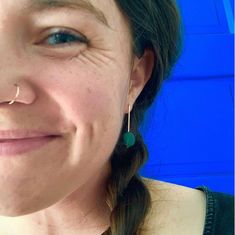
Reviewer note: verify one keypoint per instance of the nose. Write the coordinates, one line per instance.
(15, 67)
(25, 92)
(14, 70)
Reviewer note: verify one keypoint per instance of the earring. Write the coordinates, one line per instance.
(129, 137)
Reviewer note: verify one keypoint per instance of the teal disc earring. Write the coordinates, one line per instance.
(129, 137)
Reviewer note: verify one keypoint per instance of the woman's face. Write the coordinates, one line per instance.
(69, 87)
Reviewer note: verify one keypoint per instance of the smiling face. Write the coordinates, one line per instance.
(74, 83)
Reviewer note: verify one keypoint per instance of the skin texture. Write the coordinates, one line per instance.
(78, 91)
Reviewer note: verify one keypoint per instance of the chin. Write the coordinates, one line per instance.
(19, 206)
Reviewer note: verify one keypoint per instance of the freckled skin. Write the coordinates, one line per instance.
(80, 91)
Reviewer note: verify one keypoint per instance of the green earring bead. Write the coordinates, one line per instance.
(129, 139)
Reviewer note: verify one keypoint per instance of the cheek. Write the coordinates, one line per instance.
(91, 102)
(83, 94)
(91, 88)
(92, 105)
(85, 101)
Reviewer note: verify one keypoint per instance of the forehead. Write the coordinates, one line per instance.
(80, 5)
(105, 11)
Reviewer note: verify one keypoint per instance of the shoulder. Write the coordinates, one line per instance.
(175, 209)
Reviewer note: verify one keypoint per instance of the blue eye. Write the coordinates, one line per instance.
(65, 37)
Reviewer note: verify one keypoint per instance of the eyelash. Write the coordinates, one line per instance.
(77, 38)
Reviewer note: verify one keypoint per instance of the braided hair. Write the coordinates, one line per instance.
(154, 24)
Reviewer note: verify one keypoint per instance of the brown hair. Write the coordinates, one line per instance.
(154, 24)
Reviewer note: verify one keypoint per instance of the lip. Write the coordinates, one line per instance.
(14, 147)
(22, 134)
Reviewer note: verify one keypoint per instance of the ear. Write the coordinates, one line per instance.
(141, 72)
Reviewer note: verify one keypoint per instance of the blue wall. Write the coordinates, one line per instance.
(191, 143)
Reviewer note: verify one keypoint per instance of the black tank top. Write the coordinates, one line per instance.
(219, 212)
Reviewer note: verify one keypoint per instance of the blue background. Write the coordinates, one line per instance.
(189, 128)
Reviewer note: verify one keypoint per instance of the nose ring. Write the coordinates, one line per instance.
(17, 94)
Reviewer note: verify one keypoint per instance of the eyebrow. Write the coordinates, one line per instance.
(85, 5)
